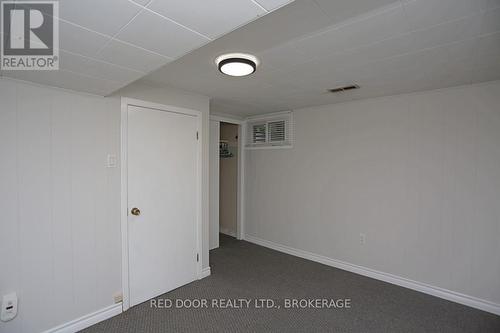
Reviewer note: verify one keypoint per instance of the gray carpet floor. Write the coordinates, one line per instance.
(244, 270)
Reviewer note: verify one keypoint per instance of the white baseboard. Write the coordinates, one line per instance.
(449, 295)
(227, 232)
(205, 272)
(87, 320)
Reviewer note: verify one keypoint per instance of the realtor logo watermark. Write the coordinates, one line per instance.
(30, 35)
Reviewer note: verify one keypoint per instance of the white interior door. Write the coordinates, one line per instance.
(163, 184)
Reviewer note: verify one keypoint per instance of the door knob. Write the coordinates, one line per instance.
(135, 211)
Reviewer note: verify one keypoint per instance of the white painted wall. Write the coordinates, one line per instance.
(59, 227)
(419, 174)
(60, 205)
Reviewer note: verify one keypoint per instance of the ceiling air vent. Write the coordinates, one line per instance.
(346, 88)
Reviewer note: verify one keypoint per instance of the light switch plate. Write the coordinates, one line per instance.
(9, 307)
(111, 161)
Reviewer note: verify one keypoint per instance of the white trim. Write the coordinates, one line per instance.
(124, 203)
(226, 119)
(240, 204)
(205, 272)
(240, 188)
(268, 115)
(125, 102)
(87, 320)
(227, 232)
(449, 295)
(267, 146)
(214, 166)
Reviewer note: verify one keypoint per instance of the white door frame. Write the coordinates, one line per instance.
(125, 103)
(240, 209)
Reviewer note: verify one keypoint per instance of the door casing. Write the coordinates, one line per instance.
(125, 103)
(214, 201)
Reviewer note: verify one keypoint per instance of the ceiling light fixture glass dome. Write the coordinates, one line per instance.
(237, 64)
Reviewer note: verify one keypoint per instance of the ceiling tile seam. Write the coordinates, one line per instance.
(92, 77)
(111, 38)
(411, 52)
(336, 27)
(43, 85)
(347, 51)
(85, 28)
(405, 13)
(120, 30)
(476, 50)
(322, 10)
(169, 19)
(472, 12)
(419, 50)
(260, 6)
(104, 62)
(143, 49)
(356, 19)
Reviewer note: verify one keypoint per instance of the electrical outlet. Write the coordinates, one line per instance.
(362, 239)
(118, 297)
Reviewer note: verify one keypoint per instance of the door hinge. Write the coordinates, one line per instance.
(197, 257)
(197, 136)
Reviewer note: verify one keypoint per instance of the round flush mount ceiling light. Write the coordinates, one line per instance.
(237, 64)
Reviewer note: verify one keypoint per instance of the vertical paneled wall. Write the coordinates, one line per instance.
(418, 174)
(60, 204)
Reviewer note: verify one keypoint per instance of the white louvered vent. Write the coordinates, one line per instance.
(273, 130)
(259, 133)
(277, 131)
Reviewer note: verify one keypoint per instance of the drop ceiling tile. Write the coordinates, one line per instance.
(67, 80)
(160, 35)
(423, 14)
(365, 31)
(387, 48)
(283, 56)
(313, 76)
(211, 18)
(486, 73)
(78, 40)
(410, 67)
(341, 10)
(487, 48)
(299, 18)
(273, 4)
(97, 69)
(448, 32)
(106, 17)
(490, 4)
(132, 57)
(142, 2)
(463, 53)
(491, 21)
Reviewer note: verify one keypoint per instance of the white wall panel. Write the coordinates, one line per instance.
(419, 174)
(62, 207)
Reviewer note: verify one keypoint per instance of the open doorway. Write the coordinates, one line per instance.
(228, 179)
(226, 161)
